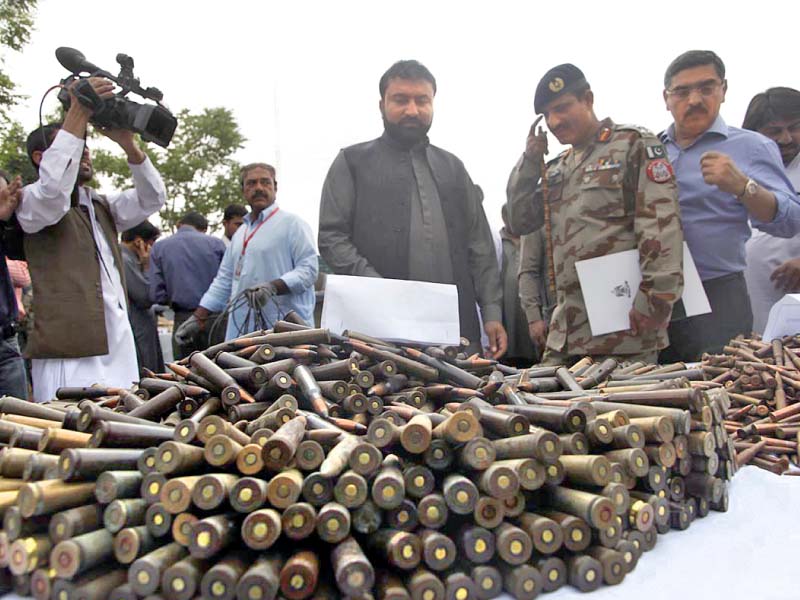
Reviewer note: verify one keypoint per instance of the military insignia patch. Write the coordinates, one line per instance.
(655, 152)
(604, 134)
(622, 290)
(660, 171)
(556, 85)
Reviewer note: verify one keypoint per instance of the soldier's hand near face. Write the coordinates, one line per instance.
(787, 276)
(536, 144)
(719, 169)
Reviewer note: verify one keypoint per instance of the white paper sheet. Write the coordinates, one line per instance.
(784, 318)
(609, 284)
(392, 309)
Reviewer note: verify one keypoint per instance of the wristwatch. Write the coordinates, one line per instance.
(750, 189)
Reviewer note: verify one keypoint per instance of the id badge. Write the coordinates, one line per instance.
(239, 264)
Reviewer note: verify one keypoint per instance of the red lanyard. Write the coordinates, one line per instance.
(247, 238)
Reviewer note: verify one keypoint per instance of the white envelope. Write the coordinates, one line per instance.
(392, 309)
(609, 284)
(784, 318)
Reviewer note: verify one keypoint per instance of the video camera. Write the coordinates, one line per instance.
(154, 122)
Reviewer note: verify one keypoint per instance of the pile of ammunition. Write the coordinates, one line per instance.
(763, 382)
(295, 463)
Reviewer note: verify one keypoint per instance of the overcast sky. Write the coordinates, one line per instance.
(302, 77)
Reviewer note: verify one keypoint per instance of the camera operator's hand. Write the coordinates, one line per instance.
(78, 115)
(126, 140)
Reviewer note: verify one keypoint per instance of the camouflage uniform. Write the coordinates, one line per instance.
(618, 194)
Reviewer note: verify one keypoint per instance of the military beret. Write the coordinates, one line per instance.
(556, 82)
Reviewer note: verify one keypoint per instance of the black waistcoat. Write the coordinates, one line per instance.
(383, 178)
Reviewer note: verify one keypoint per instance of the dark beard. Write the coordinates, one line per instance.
(406, 136)
(85, 177)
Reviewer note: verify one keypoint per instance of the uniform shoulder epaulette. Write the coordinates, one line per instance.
(642, 131)
(557, 158)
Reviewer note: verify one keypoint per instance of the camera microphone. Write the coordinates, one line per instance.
(74, 61)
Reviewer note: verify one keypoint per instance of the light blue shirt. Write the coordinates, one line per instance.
(283, 248)
(715, 223)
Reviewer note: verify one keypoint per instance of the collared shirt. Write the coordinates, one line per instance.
(182, 267)
(715, 223)
(282, 248)
(44, 203)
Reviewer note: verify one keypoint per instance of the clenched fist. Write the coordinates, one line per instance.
(719, 169)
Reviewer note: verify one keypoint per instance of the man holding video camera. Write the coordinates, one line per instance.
(81, 332)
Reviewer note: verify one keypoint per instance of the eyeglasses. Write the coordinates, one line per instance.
(705, 88)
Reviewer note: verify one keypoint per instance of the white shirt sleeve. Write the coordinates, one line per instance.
(131, 207)
(47, 200)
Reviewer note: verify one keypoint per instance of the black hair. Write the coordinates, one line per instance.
(145, 230)
(40, 139)
(195, 219)
(694, 58)
(406, 69)
(775, 104)
(234, 210)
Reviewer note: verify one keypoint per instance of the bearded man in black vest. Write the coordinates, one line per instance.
(401, 208)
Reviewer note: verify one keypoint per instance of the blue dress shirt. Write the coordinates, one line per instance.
(282, 248)
(715, 223)
(182, 267)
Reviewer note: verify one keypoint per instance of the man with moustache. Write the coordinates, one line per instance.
(726, 177)
(268, 270)
(773, 264)
(81, 333)
(611, 191)
(402, 208)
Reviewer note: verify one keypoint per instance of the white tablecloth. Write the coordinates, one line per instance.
(744, 554)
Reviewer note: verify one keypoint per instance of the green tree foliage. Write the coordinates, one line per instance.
(16, 24)
(13, 156)
(198, 169)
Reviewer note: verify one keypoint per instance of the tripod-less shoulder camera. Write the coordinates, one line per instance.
(154, 122)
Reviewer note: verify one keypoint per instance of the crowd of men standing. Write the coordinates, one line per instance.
(400, 207)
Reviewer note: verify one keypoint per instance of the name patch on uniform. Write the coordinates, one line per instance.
(655, 152)
(602, 165)
(660, 171)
